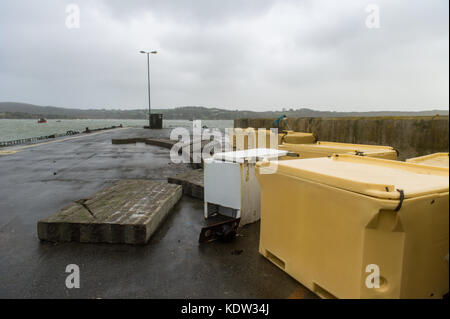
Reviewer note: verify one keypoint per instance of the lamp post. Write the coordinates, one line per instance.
(148, 78)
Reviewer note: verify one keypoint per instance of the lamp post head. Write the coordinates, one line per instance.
(145, 52)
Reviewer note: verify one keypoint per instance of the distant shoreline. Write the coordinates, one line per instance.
(14, 110)
(221, 119)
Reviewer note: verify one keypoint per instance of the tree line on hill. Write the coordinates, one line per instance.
(13, 110)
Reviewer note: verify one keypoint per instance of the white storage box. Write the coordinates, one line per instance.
(230, 184)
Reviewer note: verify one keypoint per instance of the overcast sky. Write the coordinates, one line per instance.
(247, 54)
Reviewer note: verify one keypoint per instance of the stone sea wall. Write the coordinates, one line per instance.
(411, 136)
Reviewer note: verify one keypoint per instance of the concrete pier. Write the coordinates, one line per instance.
(36, 181)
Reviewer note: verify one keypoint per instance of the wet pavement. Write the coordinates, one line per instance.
(40, 179)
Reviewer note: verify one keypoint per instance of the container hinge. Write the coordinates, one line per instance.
(402, 197)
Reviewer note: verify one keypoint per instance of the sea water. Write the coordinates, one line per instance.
(11, 129)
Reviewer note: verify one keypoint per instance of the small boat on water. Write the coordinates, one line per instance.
(42, 120)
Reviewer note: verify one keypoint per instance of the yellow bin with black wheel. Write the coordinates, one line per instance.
(436, 159)
(357, 227)
(323, 149)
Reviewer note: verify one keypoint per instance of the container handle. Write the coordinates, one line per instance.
(402, 197)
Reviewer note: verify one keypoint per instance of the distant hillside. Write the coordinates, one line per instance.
(23, 111)
(12, 110)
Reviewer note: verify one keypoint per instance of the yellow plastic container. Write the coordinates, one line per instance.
(238, 136)
(244, 139)
(292, 137)
(436, 159)
(328, 221)
(323, 149)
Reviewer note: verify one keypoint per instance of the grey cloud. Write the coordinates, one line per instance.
(236, 54)
(189, 11)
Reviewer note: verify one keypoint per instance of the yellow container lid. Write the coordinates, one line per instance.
(436, 159)
(338, 147)
(352, 146)
(369, 176)
(298, 137)
(292, 134)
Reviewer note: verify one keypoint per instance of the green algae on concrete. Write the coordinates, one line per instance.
(128, 212)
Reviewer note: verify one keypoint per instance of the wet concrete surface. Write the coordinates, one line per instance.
(38, 181)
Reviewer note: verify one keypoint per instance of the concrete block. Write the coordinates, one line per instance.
(192, 182)
(128, 212)
(133, 140)
(166, 143)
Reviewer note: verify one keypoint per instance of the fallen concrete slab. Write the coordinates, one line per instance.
(188, 147)
(127, 212)
(166, 143)
(132, 140)
(192, 182)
